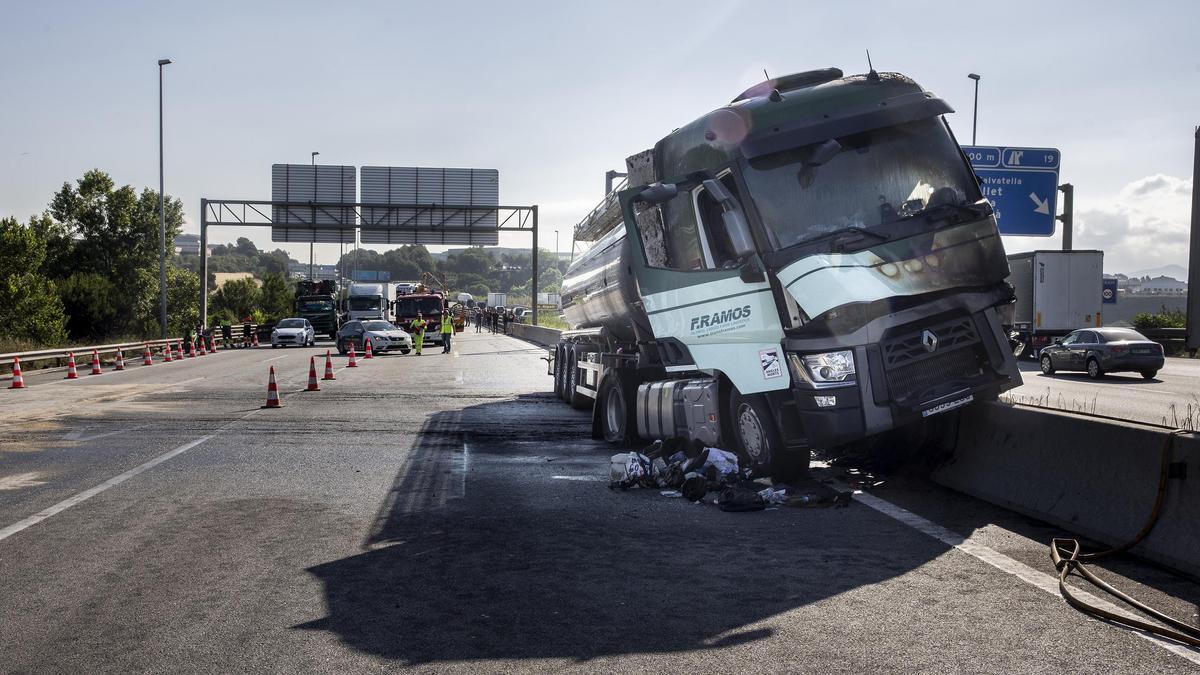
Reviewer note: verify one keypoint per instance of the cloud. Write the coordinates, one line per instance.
(1144, 226)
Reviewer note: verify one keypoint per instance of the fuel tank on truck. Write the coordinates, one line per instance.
(599, 290)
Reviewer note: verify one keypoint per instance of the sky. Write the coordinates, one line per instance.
(553, 94)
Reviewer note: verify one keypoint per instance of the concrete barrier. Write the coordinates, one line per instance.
(1094, 477)
(538, 334)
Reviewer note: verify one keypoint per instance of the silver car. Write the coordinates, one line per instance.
(384, 337)
(294, 331)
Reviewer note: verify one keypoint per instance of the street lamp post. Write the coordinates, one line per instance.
(162, 213)
(313, 157)
(974, 115)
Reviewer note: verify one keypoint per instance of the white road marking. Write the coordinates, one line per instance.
(587, 478)
(79, 437)
(1029, 575)
(92, 492)
(274, 358)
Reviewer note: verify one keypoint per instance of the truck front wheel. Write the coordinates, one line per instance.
(755, 438)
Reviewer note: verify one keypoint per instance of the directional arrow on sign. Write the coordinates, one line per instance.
(1041, 205)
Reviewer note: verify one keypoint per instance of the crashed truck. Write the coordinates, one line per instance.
(809, 266)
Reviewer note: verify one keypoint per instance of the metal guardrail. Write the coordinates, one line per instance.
(6, 360)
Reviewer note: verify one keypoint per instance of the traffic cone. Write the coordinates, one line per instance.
(328, 366)
(147, 360)
(167, 354)
(191, 349)
(18, 382)
(202, 352)
(312, 375)
(96, 363)
(272, 391)
(254, 343)
(368, 354)
(120, 364)
(353, 363)
(178, 351)
(71, 374)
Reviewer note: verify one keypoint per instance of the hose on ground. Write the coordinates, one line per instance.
(1068, 557)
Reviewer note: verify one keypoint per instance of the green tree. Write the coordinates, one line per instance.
(30, 309)
(276, 298)
(111, 234)
(183, 301)
(238, 298)
(478, 291)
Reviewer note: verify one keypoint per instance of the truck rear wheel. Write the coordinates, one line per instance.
(577, 400)
(560, 371)
(616, 411)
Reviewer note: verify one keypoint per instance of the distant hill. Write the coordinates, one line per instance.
(494, 251)
(1177, 272)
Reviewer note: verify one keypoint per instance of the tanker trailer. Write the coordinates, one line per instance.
(808, 266)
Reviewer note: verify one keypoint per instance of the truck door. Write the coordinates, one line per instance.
(702, 284)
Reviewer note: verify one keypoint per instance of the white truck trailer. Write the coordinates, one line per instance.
(369, 301)
(1057, 292)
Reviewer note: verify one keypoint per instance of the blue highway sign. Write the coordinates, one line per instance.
(1021, 183)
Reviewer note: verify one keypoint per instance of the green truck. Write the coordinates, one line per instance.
(317, 302)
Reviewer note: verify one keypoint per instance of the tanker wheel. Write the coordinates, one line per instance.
(560, 351)
(578, 401)
(616, 411)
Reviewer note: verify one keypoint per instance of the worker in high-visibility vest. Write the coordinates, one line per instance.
(447, 331)
(417, 328)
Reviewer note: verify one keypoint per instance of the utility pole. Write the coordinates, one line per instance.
(974, 115)
(1193, 302)
(1068, 215)
(162, 214)
(313, 157)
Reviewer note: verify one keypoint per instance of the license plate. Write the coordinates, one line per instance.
(1142, 350)
(949, 405)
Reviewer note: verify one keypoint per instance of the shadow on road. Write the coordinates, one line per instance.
(498, 542)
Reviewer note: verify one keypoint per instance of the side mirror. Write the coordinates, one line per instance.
(732, 217)
(1058, 341)
(752, 271)
(659, 193)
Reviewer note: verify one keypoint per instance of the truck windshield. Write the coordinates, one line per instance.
(877, 177)
(365, 304)
(316, 306)
(410, 306)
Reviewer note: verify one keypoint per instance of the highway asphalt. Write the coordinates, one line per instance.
(446, 513)
(1172, 398)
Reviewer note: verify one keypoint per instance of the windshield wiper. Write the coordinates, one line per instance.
(842, 246)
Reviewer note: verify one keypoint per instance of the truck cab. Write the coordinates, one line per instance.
(430, 304)
(808, 266)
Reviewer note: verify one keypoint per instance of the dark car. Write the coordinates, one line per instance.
(1104, 350)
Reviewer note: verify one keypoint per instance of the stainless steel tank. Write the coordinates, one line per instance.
(599, 289)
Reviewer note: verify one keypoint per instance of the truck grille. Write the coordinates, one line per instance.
(910, 347)
(910, 383)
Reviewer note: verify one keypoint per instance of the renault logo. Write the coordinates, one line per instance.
(929, 340)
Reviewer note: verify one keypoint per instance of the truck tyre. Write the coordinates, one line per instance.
(616, 410)
(756, 440)
(578, 401)
(1047, 365)
(1093, 368)
(560, 351)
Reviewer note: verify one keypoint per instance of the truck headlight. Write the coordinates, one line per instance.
(828, 369)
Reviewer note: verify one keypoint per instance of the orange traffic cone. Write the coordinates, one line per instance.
(368, 355)
(71, 374)
(272, 391)
(312, 375)
(254, 342)
(18, 382)
(202, 352)
(353, 363)
(96, 363)
(178, 351)
(120, 364)
(147, 360)
(167, 354)
(191, 349)
(328, 366)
